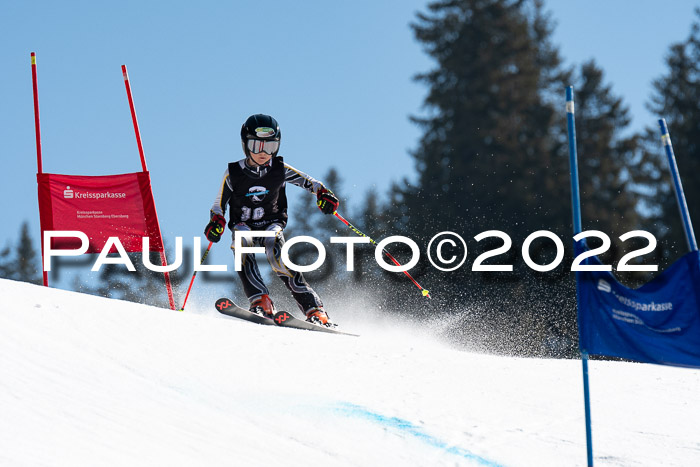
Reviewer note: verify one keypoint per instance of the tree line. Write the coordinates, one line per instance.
(494, 155)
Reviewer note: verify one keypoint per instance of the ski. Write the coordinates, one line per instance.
(285, 319)
(282, 318)
(227, 307)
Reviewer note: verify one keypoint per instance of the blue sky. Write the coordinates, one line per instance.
(336, 75)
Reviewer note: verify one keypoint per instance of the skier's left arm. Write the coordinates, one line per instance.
(326, 199)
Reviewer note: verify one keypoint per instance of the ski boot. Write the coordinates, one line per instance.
(263, 306)
(319, 317)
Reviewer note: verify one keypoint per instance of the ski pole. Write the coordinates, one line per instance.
(425, 292)
(204, 256)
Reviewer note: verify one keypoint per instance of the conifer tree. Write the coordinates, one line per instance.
(5, 267)
(606, 157)
(21, 262)
(676, 98)
(27, 262)
(487, 158)
(494, 155)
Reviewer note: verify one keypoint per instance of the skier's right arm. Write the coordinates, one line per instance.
(217, 221)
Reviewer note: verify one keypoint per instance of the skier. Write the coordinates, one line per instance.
(254, 189)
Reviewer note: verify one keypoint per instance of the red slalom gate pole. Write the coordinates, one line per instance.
(425, 292)
(204, 256)
(163, 260)
(37, 126)
(37, 129)
(133, 117)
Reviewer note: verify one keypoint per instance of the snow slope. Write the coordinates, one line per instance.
(91, 381)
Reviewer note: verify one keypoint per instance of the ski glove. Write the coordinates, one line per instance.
(215, 228)
(327, 201)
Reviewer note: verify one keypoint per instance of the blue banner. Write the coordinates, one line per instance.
(656, 323)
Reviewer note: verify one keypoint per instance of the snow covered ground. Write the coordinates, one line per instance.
(86, 381)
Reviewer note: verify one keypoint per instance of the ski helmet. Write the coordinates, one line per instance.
(263, 128)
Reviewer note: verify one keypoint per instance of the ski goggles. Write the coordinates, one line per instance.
(256, 146)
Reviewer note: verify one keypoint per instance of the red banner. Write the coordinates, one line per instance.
(101, 207)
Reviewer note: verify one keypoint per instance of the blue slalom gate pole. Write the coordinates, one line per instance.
(576, 208)
(680, 196)
(573, 160)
